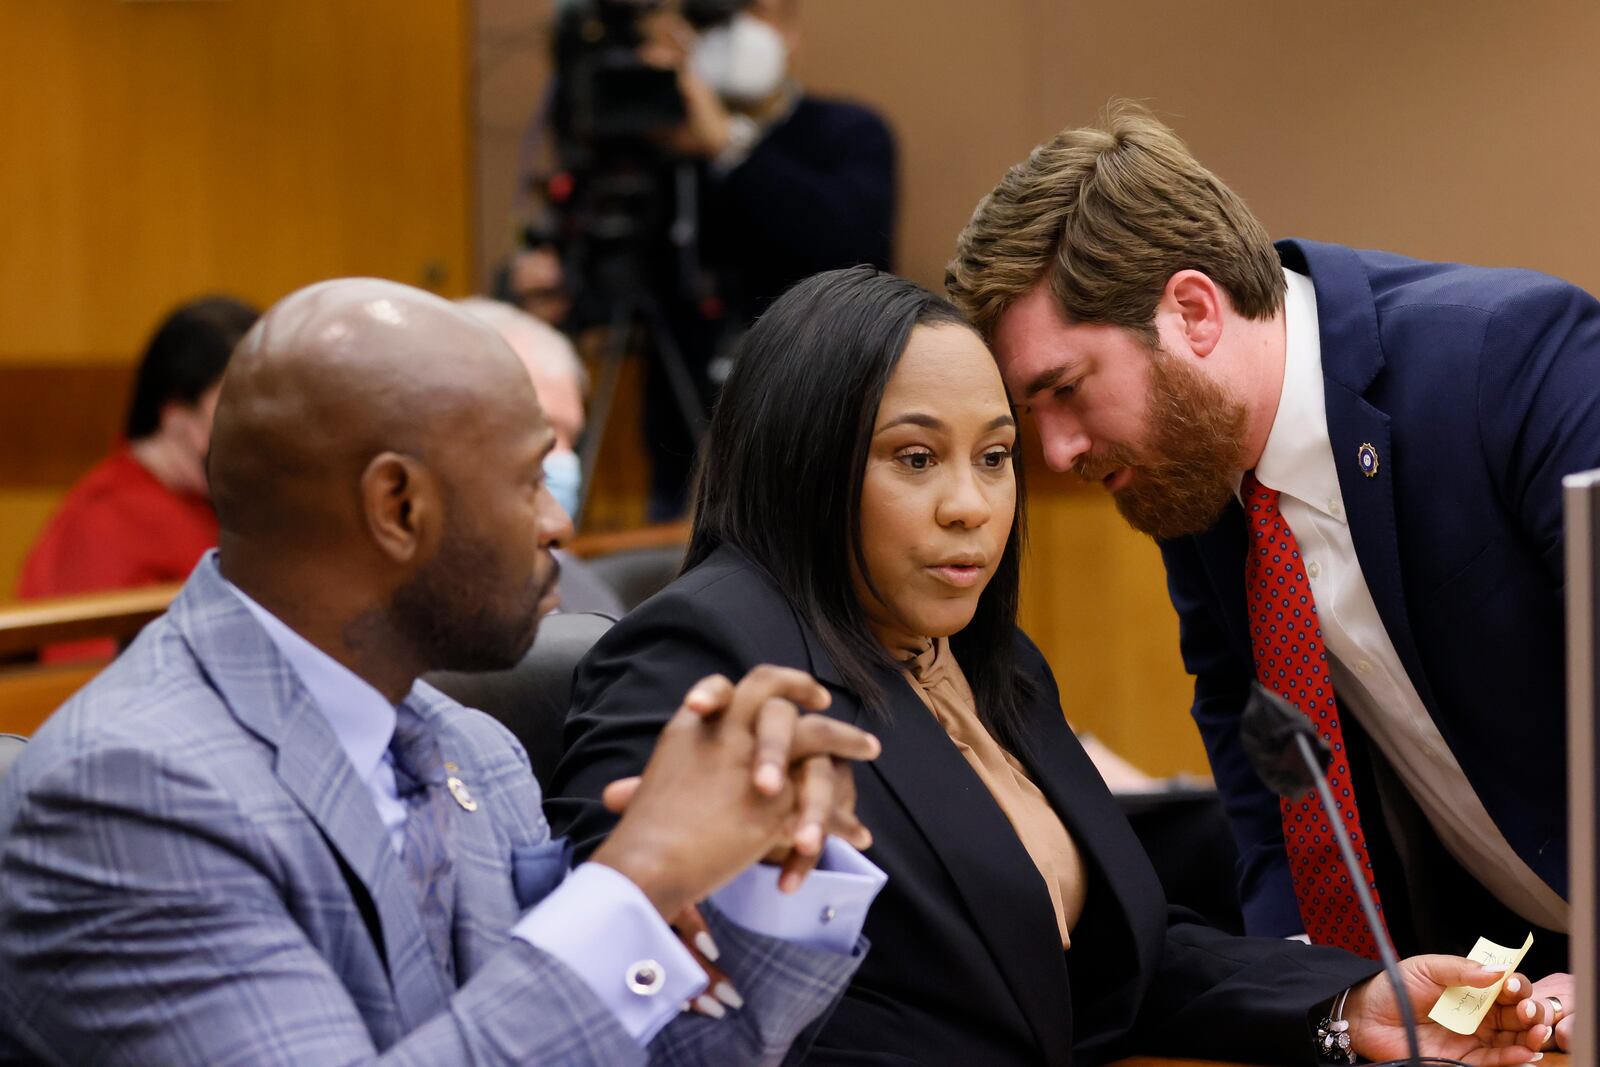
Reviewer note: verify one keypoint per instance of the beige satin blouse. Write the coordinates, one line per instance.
(938, 680)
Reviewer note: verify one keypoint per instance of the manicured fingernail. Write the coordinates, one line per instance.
(789, 881)
(809, 839)
(698, 696)
(728, 995)
(769, 779)
(1512, 985)
(708, 948)
(709, 1005)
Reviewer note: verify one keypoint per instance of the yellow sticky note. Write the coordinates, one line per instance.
(1461, 1007)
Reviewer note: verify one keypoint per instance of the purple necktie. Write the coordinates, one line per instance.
(420, 781)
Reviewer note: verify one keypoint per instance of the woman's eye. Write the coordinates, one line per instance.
(996, 459)
(917, 461)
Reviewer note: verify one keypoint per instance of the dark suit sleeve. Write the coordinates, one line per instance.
(836, 192)
(1221, 686)
(1217, 996)
(1539, 404)
(623, 693)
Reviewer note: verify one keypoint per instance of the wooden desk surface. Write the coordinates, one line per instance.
(1551, 1059)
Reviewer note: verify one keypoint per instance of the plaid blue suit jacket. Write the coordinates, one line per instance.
(191, 872)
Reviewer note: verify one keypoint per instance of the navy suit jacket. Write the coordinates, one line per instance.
(816, 193)
(1479, 389)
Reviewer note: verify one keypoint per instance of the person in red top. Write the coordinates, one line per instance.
(142, 515)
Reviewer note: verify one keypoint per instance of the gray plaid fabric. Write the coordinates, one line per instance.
(191, 872)
(420, 782)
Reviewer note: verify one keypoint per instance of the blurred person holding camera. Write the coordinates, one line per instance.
(753, 184)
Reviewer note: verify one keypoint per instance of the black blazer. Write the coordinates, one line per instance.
(966, 964)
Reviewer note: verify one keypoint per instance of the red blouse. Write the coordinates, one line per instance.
(118, 528)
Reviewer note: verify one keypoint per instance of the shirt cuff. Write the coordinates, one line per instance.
(826, 912)
(605, 929)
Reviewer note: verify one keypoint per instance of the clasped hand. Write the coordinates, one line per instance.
(740, 772)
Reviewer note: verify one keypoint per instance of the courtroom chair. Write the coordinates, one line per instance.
(10, 749)
(531, 698)
(637, 574)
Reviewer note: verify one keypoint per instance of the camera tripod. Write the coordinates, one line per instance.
(638, 308)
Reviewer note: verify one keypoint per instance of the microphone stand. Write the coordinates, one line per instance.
(1391, 965)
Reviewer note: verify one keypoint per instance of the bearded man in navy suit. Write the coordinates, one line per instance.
(1352, 462)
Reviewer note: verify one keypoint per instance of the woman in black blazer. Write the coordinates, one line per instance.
(859, 495)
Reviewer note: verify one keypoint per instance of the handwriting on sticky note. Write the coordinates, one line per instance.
(1461, 1008)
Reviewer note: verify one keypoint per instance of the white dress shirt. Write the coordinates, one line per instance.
(596, 922)
(1367, 673)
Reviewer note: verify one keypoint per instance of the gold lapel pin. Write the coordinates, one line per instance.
(1367, 460)
(458, 789)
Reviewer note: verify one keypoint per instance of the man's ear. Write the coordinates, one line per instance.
(400, 503)
(1195, 305)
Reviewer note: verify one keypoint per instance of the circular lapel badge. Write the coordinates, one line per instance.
(1367, 459)
(458, 789)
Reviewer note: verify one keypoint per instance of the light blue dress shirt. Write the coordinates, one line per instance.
(597, 922)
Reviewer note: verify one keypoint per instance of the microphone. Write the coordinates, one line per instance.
(1291, 758)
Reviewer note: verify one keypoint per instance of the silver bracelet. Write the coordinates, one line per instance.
(1333, 1035)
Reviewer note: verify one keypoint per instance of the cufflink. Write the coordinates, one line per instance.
(828, 913)
(646, 978)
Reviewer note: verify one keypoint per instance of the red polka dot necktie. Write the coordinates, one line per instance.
(1292, 661)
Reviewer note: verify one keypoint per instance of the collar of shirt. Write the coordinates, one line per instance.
(362, 718)
(1298, 458)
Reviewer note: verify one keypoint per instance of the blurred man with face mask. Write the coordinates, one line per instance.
(560, 382)
(792, 184)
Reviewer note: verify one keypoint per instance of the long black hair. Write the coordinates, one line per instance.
(783, 467)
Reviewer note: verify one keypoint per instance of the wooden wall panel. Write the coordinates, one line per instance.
(157, 151)
(160, 150)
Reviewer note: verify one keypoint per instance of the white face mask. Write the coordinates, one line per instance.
(744, 59)
(563, 476)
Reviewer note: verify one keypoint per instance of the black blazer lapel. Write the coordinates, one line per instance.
(975, 843)
(1124, 908)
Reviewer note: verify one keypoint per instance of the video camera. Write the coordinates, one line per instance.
(622, 203)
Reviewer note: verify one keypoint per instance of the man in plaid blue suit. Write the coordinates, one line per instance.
(257, 839)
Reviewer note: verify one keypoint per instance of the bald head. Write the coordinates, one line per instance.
(377, 470)
(337, 373)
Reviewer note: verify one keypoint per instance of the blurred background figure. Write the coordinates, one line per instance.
(695, 180)
(142, 516)
(534, 280)
(561, 382)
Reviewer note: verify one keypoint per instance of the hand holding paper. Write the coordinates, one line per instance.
(1461, 1008)
(1506, 1033)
